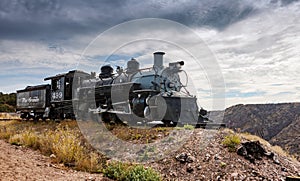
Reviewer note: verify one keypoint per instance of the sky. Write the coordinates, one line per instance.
(251, 47)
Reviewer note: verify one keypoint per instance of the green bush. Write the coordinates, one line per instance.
(125, 172)
(115, 170)
(231, 142)
(188, 127)
(7, 102)
(6, 108)
(139, 173)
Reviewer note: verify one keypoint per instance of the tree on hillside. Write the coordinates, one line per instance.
(7, 102)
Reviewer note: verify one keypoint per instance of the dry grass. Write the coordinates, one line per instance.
(66, 142)
(250, 137)
(26, 138)
(280, 151)
(61, 139)
(6, 132)
(231, 141)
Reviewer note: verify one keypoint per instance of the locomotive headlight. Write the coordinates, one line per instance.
(176, 65)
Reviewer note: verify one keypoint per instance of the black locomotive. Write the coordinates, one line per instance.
(132, 95)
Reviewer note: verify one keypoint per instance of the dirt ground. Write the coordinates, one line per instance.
(20, 163)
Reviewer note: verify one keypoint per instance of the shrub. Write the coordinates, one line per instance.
(15, 139)
(6, 132)
(27, 138)
(115, 170)
(65, 144)
(223, 164)
(188, 127)
(139, 173)
(6, 108)
(90, 162)
(126, 172)
(231, 142)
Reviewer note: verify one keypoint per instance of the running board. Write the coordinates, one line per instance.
(99, 110)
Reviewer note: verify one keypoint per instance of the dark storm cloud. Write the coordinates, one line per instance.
(54, 19)
(50, 18)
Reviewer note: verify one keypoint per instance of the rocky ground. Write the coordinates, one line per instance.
(204, 157)
(276, 123)
(20, 163)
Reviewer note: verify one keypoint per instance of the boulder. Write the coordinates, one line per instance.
(253, 150)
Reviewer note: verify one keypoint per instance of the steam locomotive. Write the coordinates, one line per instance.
(132, 95)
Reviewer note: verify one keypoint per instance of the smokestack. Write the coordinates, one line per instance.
(158, 60)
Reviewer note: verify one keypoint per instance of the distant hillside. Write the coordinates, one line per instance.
(289, 137)
(7, 102)
(277, 123)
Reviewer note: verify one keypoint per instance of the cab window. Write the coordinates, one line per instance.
(56, 84)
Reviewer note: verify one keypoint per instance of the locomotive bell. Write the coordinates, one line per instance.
(158, 60)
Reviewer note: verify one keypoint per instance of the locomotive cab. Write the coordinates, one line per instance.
(63, 89)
